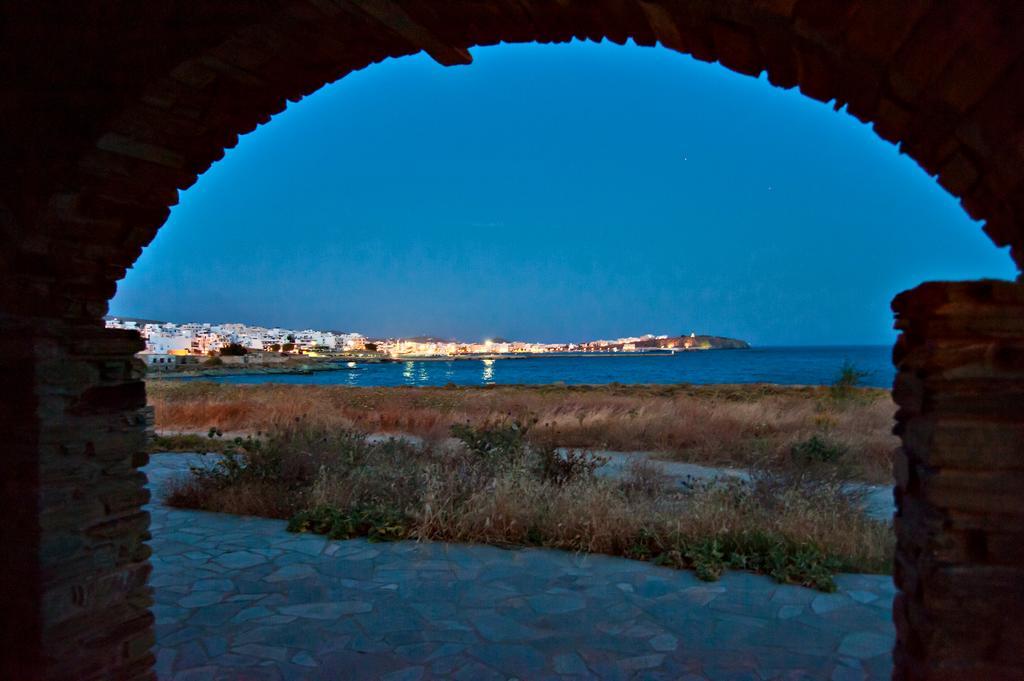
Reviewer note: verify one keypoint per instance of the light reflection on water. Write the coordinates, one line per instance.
(803, 365)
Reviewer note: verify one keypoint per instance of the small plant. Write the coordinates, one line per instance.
(817, 450)
(707, 558)
(228, 470)
(644, 547)
(645, 479)
(498, 443)
(374, 523)
(848, 380)
(560, 469)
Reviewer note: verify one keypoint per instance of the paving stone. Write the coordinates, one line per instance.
(434, 610)
(841, 673)
(250, 614)
(701, 595)
(164, 665)
(239, 560)
(214, 646)
(512, 659)
(475, 671)
(797, 637)
(415, 652)
(862, 596)
(879, 667)
(864, 644)
(304, 659)
(653, 588)
(206, 673)
(641, 630)
(262, 651)
(213, 585)
(407, 674)
(642, 662)
(293, 672)
(326, 610)
(214, 615)
(444, 666)
(795, 595)
(291, 572)
(367, 644)
(389, 619)
(309, 545)
(823, 603)
(363, 554)
(190, 654)
(201, 598)
(570, 663)
(446, 650)
(494, 627)
(276, 619)
(664, 643)
(180, 635)
(556, 603)
(790, 611)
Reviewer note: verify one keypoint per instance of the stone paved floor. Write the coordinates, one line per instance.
(240, 598)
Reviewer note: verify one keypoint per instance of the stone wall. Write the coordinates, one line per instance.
(76, 600)
(111, 107)
(960, 481)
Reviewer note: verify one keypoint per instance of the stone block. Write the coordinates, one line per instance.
(737, 49)
(978, 491)
(958, 174)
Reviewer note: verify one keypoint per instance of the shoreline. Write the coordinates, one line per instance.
(344, 364)
(539, 355)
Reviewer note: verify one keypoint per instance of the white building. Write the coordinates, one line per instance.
(168, 343)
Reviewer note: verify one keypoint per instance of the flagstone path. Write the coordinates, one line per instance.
(241, 598)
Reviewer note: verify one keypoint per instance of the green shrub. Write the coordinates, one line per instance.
(787, 561)
(843, 387)
(494, 443)
(505, 445)
(374, 523)
(817, 450)
(707, 559)
(561, 469)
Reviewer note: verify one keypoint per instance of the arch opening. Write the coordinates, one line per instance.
(84, 198)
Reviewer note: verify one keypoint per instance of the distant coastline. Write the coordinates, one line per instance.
(316, 365)
(544, 355)
(809, 365)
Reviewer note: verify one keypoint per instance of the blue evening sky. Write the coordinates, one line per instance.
(559, 192)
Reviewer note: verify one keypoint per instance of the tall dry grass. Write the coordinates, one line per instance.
(498, 489)
(726, 425)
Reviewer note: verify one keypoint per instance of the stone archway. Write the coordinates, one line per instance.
(111, 107)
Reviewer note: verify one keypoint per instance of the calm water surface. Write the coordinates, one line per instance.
(793, 366)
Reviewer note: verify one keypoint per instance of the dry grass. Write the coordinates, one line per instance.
(498, 489)
(725, 425)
